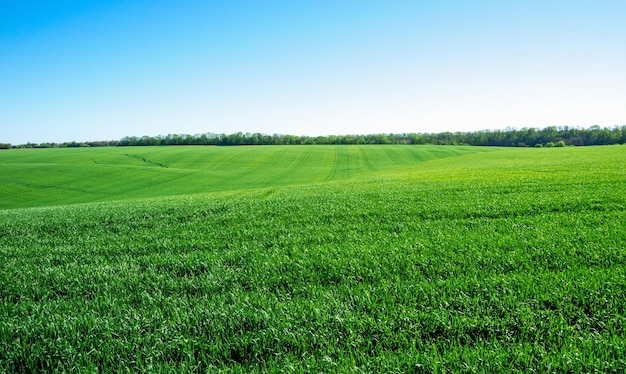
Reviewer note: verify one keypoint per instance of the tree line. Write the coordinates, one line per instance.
(525, 137)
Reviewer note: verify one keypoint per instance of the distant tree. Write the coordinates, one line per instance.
(47, 145)
(102, 143)
(383, 139)
(74, 145)
(147, 140)
(5, 145)
(549, 136)
(416, 139)
(560, 143)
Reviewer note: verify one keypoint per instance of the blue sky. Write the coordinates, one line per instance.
(102, 70)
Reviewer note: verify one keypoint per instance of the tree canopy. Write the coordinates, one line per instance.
(525, 137)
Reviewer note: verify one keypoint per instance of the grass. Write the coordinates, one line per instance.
(30, 178)
(502, 261)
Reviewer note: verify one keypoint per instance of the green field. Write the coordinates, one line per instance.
(30, 178)
(313, 259)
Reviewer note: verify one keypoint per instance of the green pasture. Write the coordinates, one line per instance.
(39, 177)
(313, 259)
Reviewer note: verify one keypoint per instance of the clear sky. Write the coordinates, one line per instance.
(101, 70)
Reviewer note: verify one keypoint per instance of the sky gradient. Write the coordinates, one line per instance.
(102, 70)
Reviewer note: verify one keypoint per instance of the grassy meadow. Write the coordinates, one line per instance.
(30, 178)
(313, 259)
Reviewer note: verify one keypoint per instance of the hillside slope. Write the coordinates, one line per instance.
(43, 177)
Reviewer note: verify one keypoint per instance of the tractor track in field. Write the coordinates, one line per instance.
(333, 171)
(146, 160)
(367, 160)
(293, 166)
(393, 157)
